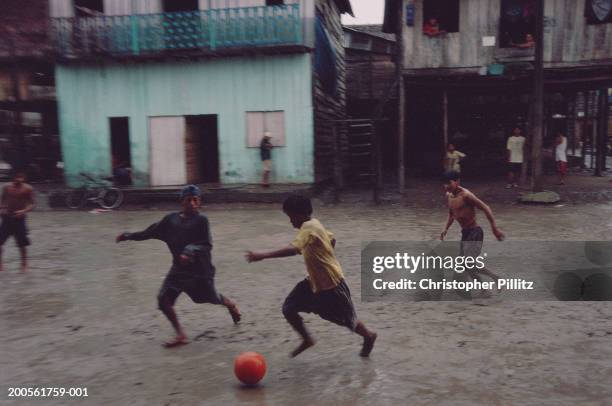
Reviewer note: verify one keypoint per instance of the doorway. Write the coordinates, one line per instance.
(202, 149)
(183, 149)
(121, 156)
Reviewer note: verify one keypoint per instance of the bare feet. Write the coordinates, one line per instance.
(179, 340)
(1, 268)
(368, 345)
(24, 269)
(235, 313)
(306, 344)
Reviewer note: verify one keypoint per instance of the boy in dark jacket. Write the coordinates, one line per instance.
(187, 234)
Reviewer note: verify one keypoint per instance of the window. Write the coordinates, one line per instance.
(598, 11)
(260, 122)
(440, 17)
(517, 24)
(88, 8)
(274, 2)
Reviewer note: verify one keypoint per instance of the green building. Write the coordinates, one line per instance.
(183, 90)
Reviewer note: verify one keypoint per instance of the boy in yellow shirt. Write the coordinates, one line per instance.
(324, 291)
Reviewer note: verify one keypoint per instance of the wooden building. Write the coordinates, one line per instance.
(370, 68)
(371, 89)
(183, 90)
(28, 112)
(468, 75)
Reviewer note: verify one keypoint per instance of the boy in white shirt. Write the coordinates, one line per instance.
(515, 146)
(561, 156)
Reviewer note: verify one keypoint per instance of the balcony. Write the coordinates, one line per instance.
(198, 32)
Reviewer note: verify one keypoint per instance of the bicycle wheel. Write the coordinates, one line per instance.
(110, 198)
(76, 198)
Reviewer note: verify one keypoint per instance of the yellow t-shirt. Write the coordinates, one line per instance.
(314, 242)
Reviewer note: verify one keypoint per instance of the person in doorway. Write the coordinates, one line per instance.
(453, 158)
(561, 156)
(17, 201)
(515, 146)
(265, 148)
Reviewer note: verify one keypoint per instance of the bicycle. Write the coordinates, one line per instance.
(97, 191)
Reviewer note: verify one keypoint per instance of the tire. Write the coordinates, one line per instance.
(110, 198)
(76, 198)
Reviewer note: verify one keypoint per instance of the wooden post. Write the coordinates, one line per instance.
(445, 135)
(338, 178)
(602, 132)
(538, 100)
(605, 120)
(401, 105)
(19, 147)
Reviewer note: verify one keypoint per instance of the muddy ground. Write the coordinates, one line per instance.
(85, 316)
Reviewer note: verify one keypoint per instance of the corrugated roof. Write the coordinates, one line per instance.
(374, 30)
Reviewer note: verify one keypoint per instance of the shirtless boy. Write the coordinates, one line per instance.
(17, 200)
(462, 205)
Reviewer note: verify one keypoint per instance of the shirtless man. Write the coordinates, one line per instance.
(462, 206)
(17, 200)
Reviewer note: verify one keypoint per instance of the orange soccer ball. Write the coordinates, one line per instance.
(250, 367)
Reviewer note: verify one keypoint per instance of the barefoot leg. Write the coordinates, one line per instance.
(232, 307)
(491, 275)
(306, 344)
(369, 337)
(24, 259)
(298, 325)
(165, 305)
(176, 342)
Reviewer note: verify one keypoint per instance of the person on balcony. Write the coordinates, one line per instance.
(432, 28)
(529, 42)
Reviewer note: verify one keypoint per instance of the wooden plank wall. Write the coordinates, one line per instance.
(328, 108)
(368, 75)
(568, 41)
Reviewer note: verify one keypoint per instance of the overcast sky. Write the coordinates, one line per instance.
(366, 12)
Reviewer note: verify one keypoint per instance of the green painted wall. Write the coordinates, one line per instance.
(89, 94)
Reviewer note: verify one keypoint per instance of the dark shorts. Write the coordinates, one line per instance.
(201, 289)
(471, 241)
(333, 305)
(515, 167)
(16, 227)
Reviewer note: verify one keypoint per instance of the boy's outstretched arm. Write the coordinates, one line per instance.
(288, 251)
(154, 231)
(489, 213)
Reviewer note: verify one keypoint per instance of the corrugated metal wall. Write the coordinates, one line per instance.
(89, 95)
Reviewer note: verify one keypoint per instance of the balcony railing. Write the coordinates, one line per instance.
(207, 30)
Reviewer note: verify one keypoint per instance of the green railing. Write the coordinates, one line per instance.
(143, 34)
